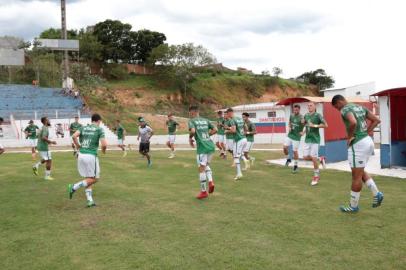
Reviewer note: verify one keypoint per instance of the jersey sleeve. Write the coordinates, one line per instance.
(191, 124)
(210, 125)
(321, 119)
(253, 127)
(26, 129)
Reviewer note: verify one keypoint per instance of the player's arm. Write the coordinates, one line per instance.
(192, 133)
(45, 138)
(352, 125)
(103, 143)
(374, 121)
(323, 124)
(75, 138)
(151, 133)
(253, 130)
(26, 132)
(212, 129)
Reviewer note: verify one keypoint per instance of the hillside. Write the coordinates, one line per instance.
(145, 95)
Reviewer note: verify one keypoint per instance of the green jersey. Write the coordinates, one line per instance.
(296, 126)
(360, 114)
(220, 122)
(120, 132)
(313, 134)
(42, 145)
(89, 138)
(171, 124)
(250, 127)
(32, 131)
(239, 128)
(74, 127)
(202, 126)
(229, 123)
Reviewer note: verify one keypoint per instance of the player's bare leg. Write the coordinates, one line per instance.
(286, 152)
(377, 195)
(203, 183)
(33, 153)
(87, 183)
(295, 161)
(172, 147)
(48, 166)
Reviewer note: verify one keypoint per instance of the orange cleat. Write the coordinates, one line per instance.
(202, 195)
(211, 186)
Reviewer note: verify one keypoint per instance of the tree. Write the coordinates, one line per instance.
(277, 71)
(180, 61)
(317, 77)
(55, 33)
(90, 48)
(144, 42)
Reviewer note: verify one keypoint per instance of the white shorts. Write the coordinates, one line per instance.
(45, 155)
(295, 144)
(230, 144)
(88, 166)
(248, 147)
(120, 141)
(311, 149)
(239, 147)
(221, 138)
(203, 159)
(33, 142)
(359, 153)
(171, 139)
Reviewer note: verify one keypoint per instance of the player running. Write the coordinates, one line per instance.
(172, 125)
(121, 137)
(43, 148)
(31, 134)
(296, 125)
(237, 129)
(145, 133)
(201, 129)
(313, 122)
(360, 148)
(1, 146)
(250, 131)
(221, 138)
(87, 139)
(229, 136)
(74, 126)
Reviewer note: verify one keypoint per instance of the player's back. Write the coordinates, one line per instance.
(89, 138)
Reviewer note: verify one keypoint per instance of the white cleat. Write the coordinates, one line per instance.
(238, 177)
(171, 156)
(252, 161)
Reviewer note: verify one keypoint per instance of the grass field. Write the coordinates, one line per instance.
(149, 218)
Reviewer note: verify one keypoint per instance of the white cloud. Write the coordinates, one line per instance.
(355, 41)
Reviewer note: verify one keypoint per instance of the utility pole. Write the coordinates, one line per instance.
(64, 36)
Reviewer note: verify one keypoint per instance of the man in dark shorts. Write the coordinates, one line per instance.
(145, 133)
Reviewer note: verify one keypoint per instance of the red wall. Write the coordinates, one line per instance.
(398, 118)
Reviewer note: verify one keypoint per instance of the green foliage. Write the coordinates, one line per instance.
(319, 78)
(55, 33)
(90, 48)
(115, 72)
(144, 42)
(277, 71)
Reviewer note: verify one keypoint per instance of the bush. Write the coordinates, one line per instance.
(115, 72)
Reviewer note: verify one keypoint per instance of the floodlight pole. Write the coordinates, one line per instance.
(64, 36)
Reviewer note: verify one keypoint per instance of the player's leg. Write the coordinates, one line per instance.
(286, 145)
(202, 162)
(209, 173)
(314, 153)
(147, 155)
(1, 149)
(48, 167)
(355, 193)
(295, 146)
(243, 145)
(223, 147)
(171, 140)
(237, 158)
(44, 157)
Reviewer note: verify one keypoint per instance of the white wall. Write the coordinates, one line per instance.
(362, 91)
(384, 115)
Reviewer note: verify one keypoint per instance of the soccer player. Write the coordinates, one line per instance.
(229, 136)
(221, 140)
(121, 137)
(172, 125)
(249, 131)
(201, 129)
(1, 146)
(75, 126)
(31, 134)
(237, 129)
(360, 148)
(296, 125)
(43, 148)
(87, 139)
(145, 133)
(313, 122)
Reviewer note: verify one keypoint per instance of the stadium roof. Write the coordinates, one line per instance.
(392, 92)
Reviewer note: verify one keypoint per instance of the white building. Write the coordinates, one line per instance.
(361, 90)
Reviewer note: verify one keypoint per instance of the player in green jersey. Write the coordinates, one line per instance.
(31, 134)
(250, 131)
(1, 146)
(87, 140)
(43, 148)
(121, 137)
(360, 148)
(296, 124)
(172, 125)
(313, 122)
(201, 129)
(74, 126)
(221, 137)
(236, 127)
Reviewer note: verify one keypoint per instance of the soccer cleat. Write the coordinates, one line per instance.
(70, 191)
(49, 178)
(171, 156)
(202, 195)
(377, 201)
(323, 162)
(315, 180)
(349, 209)
(288, 161)
(149, 163)
(35, 170)
(252, 159)
(211, 186)
(238, 177)
(90, 204)
(295, 169)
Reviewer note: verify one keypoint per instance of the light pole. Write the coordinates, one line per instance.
(64, 36)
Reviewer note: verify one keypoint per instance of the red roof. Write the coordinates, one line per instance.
(399, 92)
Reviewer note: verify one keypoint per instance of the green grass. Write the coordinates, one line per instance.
(149, 218)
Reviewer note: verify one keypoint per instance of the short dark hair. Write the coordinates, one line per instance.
(96, 117)
(1, 119)
(220, 112)
(246, 114)
(193, 108)
(230, 110)
(43, 119)
(296, 106)
(336, 99)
